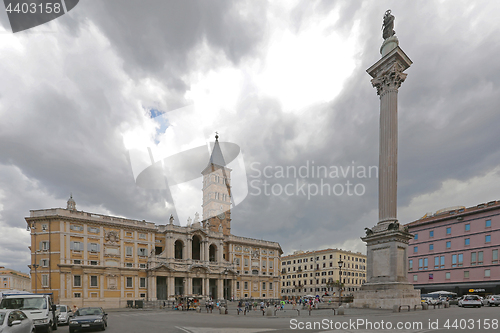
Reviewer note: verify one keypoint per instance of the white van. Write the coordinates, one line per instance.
(39, 308)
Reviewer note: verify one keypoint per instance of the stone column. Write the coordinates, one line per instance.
(220, 288)
(189, 286)
(206, 286)
(170, 286)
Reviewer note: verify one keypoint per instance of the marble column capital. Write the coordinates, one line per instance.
(389, 80)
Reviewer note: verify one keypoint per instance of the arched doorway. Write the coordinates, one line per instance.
(196, 247)
(212, 253)
(178, 246)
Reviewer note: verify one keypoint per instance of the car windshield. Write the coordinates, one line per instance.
(471, 298)
(88, 312)
(35, 303)
(61, 308)
(2, 316)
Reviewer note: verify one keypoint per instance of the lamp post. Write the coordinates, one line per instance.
(340, 281)
(225, 285)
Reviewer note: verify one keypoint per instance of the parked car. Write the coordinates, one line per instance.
(470, 300)
(15, 321)
(65, 314)
(37, 307)
(87, 318)
(493, 300)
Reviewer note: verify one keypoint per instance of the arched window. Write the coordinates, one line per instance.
(212, 253)
(196, 247)
(178, 249)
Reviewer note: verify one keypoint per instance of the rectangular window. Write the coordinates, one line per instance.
(44, 245)
(410, 265)
(416, 237)
(420, 264)
(473, 258)
(431, 276)
(76, 246)
(142, 265)
(237, 284)
(454, 260)
(93, 230)
(426, 263)
(447, 275)
(142, 282)
(263, 285)
(45, 280)
(93, 262)
(494, 257)
(77, 262)
(270, 286)
(77, 295)
(246, 285)
(488, 223)
(142, 252)
(431, 233)
(460, 259)
(415, 249)
(487, 238)
(76, 227)
(486, 273)
(467, 241)
(94, 247)
(77, 281)
(93, 280)
(44, 262)
(448, 244)
(129, 264)
(246, 263)
(436, 262)
(466, 274)
(480, 258)
(264, 264)
(415, 277)
(448, 231)
(142, 236)
(129, 250)
(431, 247)
(442, 262)
(271, 264)
(467, 227)
(129, 282)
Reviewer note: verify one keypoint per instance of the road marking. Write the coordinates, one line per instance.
(224, 330)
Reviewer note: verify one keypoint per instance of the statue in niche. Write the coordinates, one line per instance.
(220, 227)
(388, 25)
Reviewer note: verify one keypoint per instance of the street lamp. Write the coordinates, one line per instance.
(225, 285)
(340, 281)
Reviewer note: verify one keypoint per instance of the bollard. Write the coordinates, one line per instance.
(395, 308)
(269, 312)
(425, 306)
(446, 305)
(341, 311)
(222, 310)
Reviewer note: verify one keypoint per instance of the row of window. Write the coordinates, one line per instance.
(447, 275)
(96, 230)
(293, 276)
(299, 268)
(305, 290)
(487, 224)
(457, 260)
(93, 281)
(487, 239)
(246, 262)
(245, 285)
(298, 261)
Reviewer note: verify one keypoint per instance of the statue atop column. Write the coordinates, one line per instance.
(171, 219)
(388, 25)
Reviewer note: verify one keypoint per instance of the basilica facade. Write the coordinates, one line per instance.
(88, 259)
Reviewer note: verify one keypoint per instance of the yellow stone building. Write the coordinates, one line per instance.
(13, 280)
(88, 259)
(309, 273)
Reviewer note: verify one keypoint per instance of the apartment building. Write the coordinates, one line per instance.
(313, 272)
(11, 279)
(456, 249)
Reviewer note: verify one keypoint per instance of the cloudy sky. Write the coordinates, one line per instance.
(285, 81)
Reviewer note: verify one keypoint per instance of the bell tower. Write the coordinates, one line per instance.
(217, 192)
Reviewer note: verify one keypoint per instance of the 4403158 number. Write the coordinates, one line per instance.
(34, 8)
(472, 324)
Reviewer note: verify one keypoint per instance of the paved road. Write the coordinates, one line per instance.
(355, 320)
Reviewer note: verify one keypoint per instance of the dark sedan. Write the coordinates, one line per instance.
(88, 318)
